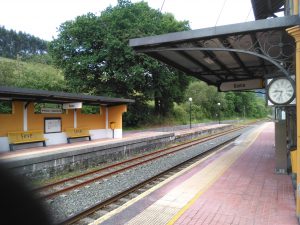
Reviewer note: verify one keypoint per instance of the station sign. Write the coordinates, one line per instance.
(75, 105)
(51, 111)
(242, 85)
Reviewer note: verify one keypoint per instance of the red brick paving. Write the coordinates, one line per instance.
(249, 192)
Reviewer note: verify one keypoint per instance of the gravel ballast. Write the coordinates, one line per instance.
(73, 202)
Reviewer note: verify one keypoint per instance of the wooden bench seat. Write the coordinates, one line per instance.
(77, 133)
(24, 137)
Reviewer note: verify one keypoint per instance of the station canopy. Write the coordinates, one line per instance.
(41, 96)
(259, 49)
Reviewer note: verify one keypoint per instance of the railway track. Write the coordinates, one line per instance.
(94, 212)
(80, 182)
(51, 190)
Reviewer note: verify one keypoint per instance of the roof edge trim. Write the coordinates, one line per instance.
(238, 28)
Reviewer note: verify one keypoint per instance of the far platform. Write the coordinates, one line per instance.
(43, 162)
(235, 186)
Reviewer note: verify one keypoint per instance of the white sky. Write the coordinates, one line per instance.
(41, 18)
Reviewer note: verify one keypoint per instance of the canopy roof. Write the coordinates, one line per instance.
(32, 95)
(251, 50)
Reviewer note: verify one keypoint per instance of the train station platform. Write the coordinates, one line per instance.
(44, 162)
(237, 185)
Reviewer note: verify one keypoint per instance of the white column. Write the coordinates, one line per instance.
(75, 118)
(106, 118)
(25, 117)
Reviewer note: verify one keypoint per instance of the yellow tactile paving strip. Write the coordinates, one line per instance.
(169, 208)
(131, 202)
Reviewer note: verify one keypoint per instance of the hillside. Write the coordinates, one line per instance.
(30, 75)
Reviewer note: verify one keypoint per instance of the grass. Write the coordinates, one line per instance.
(17, 73)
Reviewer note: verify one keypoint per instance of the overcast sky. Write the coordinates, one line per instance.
(41, 18)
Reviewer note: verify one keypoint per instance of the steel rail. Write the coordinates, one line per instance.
(75, 218)
(159, 154)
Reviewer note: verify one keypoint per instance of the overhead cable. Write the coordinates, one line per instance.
(162, 5)
(221, 12)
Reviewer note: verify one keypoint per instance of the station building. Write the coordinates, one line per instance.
(30, 116)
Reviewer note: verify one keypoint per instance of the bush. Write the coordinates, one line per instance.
(179, 113)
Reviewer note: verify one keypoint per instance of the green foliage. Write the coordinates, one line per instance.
(90, 109)
(94, 53)
(42, 59)
(30, 75)
(206, 97)
(232, 104)
(5, 107)
(13, 44)
(138, 113)
(180, 114)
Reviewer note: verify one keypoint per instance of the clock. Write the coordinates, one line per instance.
(281, 91)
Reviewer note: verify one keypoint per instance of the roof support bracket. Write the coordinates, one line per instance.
(27, 103)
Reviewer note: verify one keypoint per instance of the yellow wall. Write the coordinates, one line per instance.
(36, 121)
(115, 115)
(91, 121)
(12, 122)
(295, 7)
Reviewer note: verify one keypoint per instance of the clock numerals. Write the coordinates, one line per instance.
(280, 91)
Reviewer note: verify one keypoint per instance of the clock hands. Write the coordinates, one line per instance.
(280, 91)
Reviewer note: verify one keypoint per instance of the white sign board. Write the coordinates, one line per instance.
(51, 111)
(52, 125)
(242, 85)
(75, 105)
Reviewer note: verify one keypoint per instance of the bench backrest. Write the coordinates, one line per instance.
(77, 132)
(25, 136)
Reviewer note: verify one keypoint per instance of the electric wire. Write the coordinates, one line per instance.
(162, 5)
(220, 12)
(248, 14)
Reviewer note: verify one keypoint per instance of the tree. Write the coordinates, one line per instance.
(30, 75)
(93, 51)
(13, 44)
(232, 104)
(207, 97)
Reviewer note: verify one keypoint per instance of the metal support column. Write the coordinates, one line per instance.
(281, 159)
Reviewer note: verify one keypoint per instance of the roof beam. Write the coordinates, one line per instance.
(234, 55)
(169, 62)
(177, 66)
(191, 58)
(214, 58)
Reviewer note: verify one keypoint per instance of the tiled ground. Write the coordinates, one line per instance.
(249, 192)
(237, 186)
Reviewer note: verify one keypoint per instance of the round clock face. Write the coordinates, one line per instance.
(281, 91)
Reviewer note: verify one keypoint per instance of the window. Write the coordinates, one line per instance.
(90, 109)
(6, 107)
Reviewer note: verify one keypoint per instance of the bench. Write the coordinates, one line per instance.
(25, 137)
(77, 133)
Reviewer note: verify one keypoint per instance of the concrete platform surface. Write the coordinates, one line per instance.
(236, 186)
